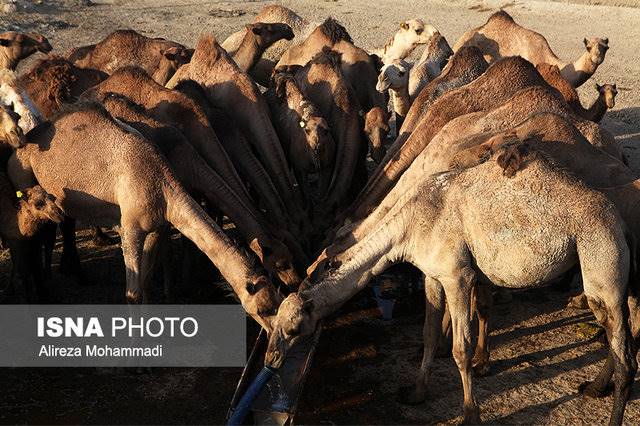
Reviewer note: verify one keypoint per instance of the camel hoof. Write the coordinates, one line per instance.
(407, 395)
(482, 369)
(472, 416)
(589, 389)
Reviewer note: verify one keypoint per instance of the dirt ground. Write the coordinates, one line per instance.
(540, 351)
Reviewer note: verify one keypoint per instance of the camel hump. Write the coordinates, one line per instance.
(327, 56)
(334, 31)
(501, 15)
(512, 156)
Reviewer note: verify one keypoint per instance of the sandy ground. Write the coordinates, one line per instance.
(539, 353)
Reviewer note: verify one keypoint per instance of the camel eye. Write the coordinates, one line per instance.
(419, 31)
(401, 73)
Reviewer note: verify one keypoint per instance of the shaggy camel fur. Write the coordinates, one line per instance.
(160, 58)
(430, 65)
(305, 135)
(484, 93)
(54, 81)
(272, 13)
(258, 37)
(411, 34)
(606, 99)
(14, 47)
(501, 36)
(227, 87)
(198, 178)
(394, 77)
(126, 180)
(11, 93)
(452, 229)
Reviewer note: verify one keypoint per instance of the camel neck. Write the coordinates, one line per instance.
(597, 110)
(401, 101)
(248, 53)
(7, 62)
(627, 201)
(579, 71)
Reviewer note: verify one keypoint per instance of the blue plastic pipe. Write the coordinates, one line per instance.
(244, 405)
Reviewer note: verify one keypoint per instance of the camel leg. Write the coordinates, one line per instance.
(435, 306)
(133, 240)
(70, 259)
(607, 304)
(483, 303)
(458, 292)
(149, 256)
(445, 339)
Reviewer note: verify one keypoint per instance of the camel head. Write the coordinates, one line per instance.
(294, 322)
(608, 94)
(10, 131)
(597, 48)
(415, 31)
(41, 205)
(318, 136)
(16, 46)
(267, 34)
(394, 75)
(260, 300)
(277, 259)
(376, 127)
(171, 59)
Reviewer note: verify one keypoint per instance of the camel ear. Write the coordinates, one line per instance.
(172, 53)
(606, 40)
(614, 86)
(586, 42)
(251, 288)
(256, 29)
(404, 26)
(598, 87)
(307, 306)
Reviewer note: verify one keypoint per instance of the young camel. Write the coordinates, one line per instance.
(305, 135)
(14, 47)
(198, 178)
(411, 34)
(55, 81)
(127, 181)
(228, 87)
(394, 78)
(501, 36)
(258, 37)
(430, 65)
(160, 58)
(451, 227)
(606, 94)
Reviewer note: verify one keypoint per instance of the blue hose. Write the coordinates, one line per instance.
(241, 410)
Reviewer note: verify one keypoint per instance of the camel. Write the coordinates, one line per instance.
(501, 36)
(53, 81)
(157, 56)
(272, 13)
(411, 34)
(11, 134)
(433, 60)
(127, 181)
(394, 77)
(606, 98)
(20, 219)
(305, 135)
(15, 46)
(452, 227)
(358, 67)
(11, 93)
(193, 172)
(484, 93)
(258, 37)
(227, 87)
(322, 82)
(463, 67)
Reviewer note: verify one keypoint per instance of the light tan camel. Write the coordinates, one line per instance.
(157, 56)
(15, 46)
(455, 228)
(501, 36)
(394, 77)
(127, 181)
(433, 60)
(411, 34)
(11, 93)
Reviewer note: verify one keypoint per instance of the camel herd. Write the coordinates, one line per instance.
(497, 174)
